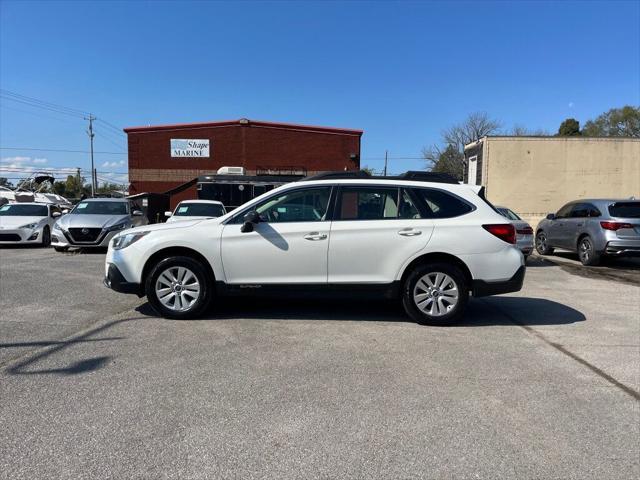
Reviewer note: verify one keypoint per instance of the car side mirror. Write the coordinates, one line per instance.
(168, 214)
(56, 215)
(551, 216)
(250, 219)
(65, 211)
(137, 213)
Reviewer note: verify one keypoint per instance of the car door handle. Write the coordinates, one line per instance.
(315, 236)
(409, 232)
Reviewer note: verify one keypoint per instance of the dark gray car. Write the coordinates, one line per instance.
(593, 228)
(94, 222)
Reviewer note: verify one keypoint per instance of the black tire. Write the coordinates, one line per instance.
(203, 279)
(61, 249)
(587, 252)
(526, 257)
(46, 237)
(454, 313)
(542, 244)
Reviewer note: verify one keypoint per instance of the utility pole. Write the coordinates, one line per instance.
(386, 156)
(79, 181)
(91, 118)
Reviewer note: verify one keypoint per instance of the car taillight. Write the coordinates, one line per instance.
(504, 231)
(525, 231)
(615, 225)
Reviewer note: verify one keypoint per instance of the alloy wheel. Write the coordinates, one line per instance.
(436, 294)
(586, 250)
(177, 288)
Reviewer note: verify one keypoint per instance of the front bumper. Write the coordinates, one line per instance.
(482, 288)
(64, 239)
(116, 282)
(17, 236)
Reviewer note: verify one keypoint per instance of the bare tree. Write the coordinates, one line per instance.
(519, 130)
(450, 159)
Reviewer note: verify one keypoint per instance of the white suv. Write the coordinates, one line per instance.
(430, 244)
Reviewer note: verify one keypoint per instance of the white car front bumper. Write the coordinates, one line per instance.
(17, 236)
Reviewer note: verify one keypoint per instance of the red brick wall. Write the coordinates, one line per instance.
(152, 169)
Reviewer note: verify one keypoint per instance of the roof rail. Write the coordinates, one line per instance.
(415, 175)
(338, 175)
(421, 176)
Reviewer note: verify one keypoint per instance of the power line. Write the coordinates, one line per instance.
(42, 103)
(59, 150)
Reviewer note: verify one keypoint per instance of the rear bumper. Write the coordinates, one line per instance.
(623, 248)
(116, 282)
(514, 284)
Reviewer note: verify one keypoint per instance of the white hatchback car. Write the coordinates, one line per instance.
(430, 244)
(196, 210)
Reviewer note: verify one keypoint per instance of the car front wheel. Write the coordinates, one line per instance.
(179, 288)
(435, 294)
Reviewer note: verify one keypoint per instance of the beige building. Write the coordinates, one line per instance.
(537, 175)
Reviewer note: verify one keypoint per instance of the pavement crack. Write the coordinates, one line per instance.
(602, 374)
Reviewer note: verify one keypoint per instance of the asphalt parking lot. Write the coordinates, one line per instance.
(540, 384)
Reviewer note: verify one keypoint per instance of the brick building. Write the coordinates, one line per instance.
(169, 158)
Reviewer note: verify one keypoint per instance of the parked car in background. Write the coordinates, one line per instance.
(196, 210)
(524, 232)
(93, 223)
(430, 244)
(27, 223)
(592, 228)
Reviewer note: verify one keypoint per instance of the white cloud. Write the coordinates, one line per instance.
(40, 161)
(570, 104)
(14, 160)
(113, 164)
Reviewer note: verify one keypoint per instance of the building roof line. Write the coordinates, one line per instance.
(244, 122)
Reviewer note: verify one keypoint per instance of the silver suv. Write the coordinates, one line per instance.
(592, 228)
(94, 222)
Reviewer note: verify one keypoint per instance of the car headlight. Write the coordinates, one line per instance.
(57, 227)
(30, 226)
(124, 240)
(117, 226)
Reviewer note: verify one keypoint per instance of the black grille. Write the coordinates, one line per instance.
(9, 237)
(85, 234)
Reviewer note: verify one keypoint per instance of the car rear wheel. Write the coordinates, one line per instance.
(435, 294)
(179, 288)
(542, 244)
(587, 252)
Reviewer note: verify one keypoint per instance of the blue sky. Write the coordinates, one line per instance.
(401, 71)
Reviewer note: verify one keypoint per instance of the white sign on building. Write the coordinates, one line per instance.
(181, 147)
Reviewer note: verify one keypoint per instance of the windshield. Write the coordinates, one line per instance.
(199, 210)
(101, 208)
(505, 212)
(625, 209)
(23, 210)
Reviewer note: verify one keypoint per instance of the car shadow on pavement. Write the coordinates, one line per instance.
(522, 311)
(490, 311)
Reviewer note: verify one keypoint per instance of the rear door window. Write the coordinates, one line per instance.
(625, 209)
(368, 203)
(441, 204)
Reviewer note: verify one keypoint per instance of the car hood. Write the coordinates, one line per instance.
(186, 219)
(90, 221)
(13, 222)
(165, 226)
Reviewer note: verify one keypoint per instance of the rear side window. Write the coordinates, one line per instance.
(368, 203)
(440, 204)
(625, 209)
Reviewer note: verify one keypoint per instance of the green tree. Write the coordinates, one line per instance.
(450, 160)
(617, 122)
(569, 128)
